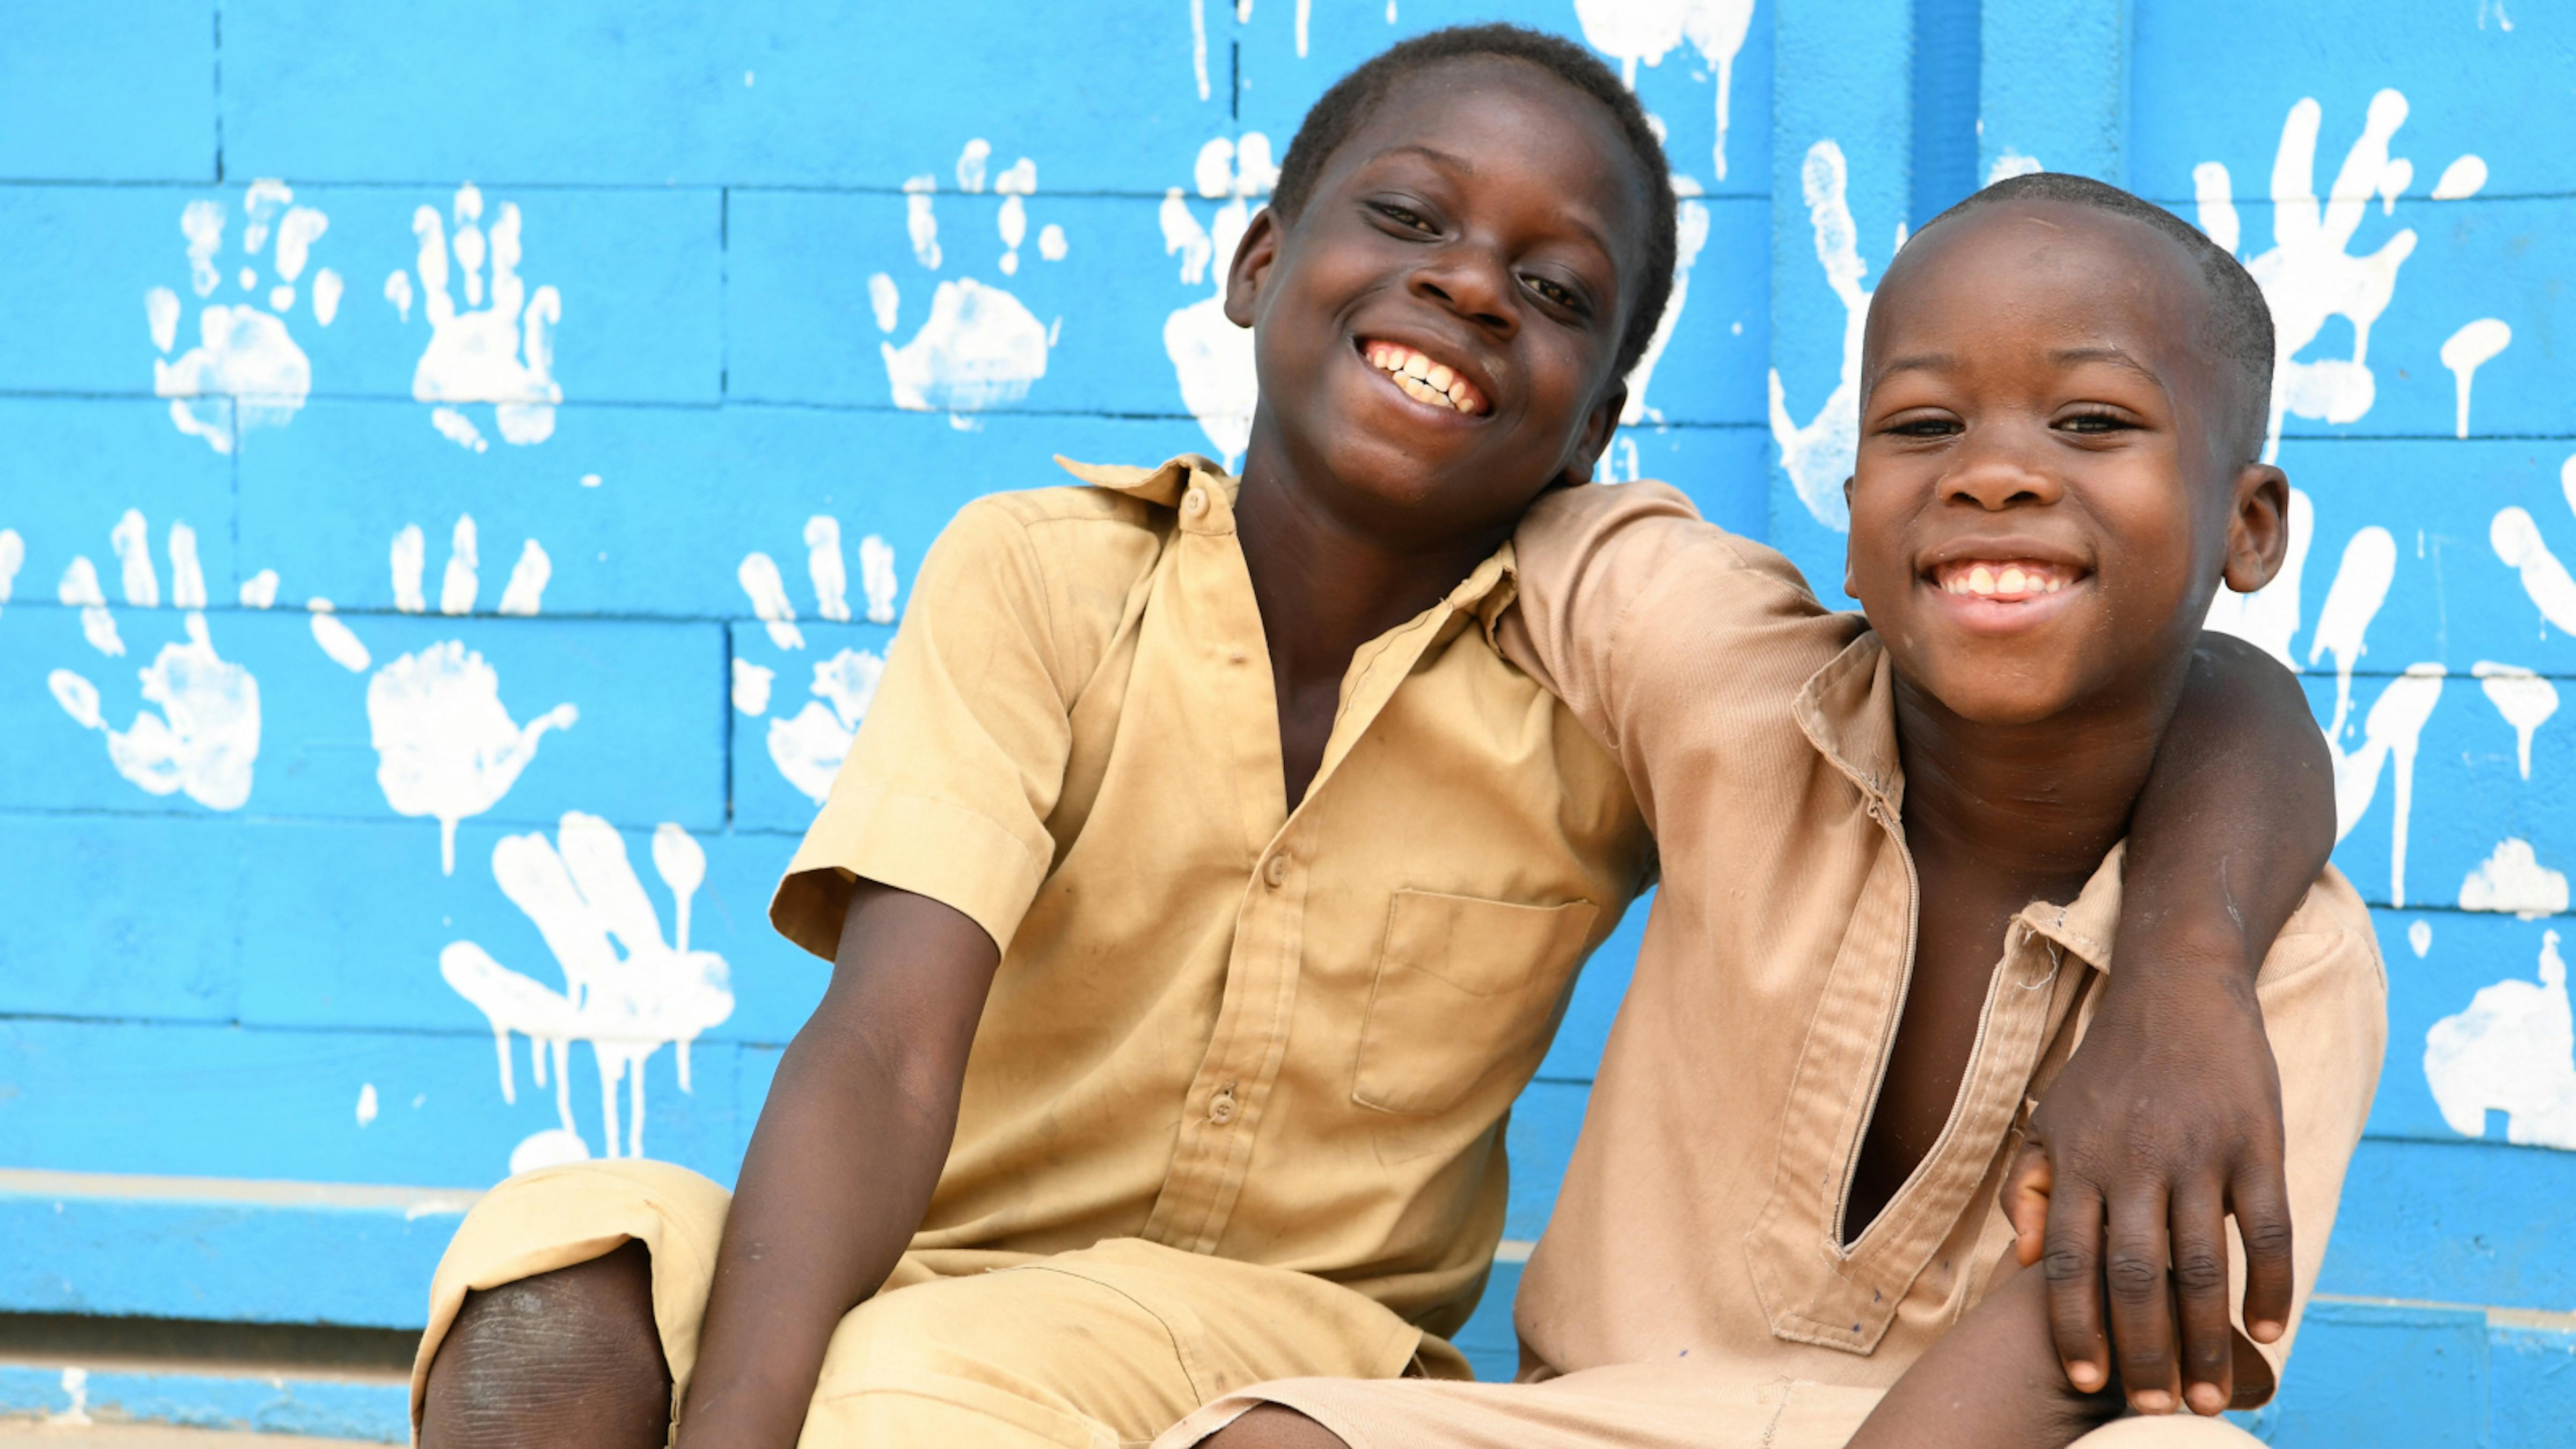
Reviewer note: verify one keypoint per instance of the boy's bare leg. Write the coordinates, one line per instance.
(1274, 1426)
(567, 1358)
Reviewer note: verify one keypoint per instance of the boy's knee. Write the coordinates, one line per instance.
(1274, 1426)
(570, 1357)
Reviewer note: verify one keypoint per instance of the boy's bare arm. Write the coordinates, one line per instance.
(2169, 1115)
(1991, 1382)
(841, 1167)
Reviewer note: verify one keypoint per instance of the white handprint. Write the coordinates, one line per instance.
(2513, 1051)
(445, 746)
(980, 347)
(502, 354)
(243, 352)
(206, 735)
(2308, 276)
(1211, 357)
(1629, 31)
(1818, 456)
(808, 748)
(626, 990)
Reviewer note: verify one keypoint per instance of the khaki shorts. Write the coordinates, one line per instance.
(1629, 1406)
(1096, 1348)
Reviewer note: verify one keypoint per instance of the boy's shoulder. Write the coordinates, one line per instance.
(1099, 533)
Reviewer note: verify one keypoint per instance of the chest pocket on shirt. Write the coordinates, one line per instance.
(1465, 988)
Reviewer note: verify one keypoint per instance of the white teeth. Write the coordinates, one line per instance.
(2012, 580)
(1440, 376)
(1416, 365)
(1421, 378)
(1981, 581)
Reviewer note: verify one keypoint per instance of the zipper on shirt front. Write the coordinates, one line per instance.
(1844, 1242)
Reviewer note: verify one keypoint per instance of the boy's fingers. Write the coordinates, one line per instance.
(2073, 1267)
(2261, 1203)
(2142, 1330)
(2200, 1299)
(2025, 1201)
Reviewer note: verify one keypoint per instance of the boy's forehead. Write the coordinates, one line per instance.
(2050, 264)
(1496, 110)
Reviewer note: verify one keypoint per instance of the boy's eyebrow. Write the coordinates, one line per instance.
(1920, 362)
(2112, 355)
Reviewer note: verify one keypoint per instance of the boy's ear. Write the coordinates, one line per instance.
(1599, 426)
(1250, 268)
(2258, 527)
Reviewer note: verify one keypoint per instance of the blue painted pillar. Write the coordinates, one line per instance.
(1842, 162)
(2054, 89)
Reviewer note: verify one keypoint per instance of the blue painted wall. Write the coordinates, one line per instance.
(763, 249)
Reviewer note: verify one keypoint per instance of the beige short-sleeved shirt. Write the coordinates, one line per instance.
(1286, 1037)
(1702, 1210)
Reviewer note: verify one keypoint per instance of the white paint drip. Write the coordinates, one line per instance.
(876, 578)
(627, 990)
(13, 554)
(970, 164)
(259, 591)
(2419, 938)
(2516, 539)
(2470, 348)
(1630, 31)
(75, 1412)
(2513, 1051)
(2513, 879)
(2524, 699)
(445, 746)
(808, 749)
(1212, 359)
(2309, 275)
(1818, 456)
(2391, 730)
(2352, 601)
(1051, 245)
(2462, 178)
(366, 1103)
(1691, 234)
(920, 221)
(246, 370)
(1198, 45)
(503, 354)
(751, 684)
(204, 739)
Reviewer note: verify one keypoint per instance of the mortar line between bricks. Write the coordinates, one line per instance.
(2549, 1320)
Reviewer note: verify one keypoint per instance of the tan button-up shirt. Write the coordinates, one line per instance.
(1285, 1036)
(1701, 1214)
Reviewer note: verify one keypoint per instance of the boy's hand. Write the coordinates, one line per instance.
(2167, 1119)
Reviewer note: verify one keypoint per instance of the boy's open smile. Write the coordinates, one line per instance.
(2001, 585)
(1437, 385)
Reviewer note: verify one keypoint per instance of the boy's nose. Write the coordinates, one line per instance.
(1476, 288)
(1999, 477)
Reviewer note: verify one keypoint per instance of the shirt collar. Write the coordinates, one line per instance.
(1487, 590)
(1848, 711)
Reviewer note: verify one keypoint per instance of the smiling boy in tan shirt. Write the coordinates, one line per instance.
(1783, 1205)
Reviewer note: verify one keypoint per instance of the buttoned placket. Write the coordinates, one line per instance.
(1222, 1114)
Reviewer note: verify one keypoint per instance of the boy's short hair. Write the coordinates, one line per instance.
(1353, 98)
(2240, 321)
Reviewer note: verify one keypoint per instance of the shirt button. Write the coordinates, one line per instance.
(1221, 1111)
(1194, 502)
(1276, 872)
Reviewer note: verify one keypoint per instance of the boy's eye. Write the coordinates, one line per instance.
(1933, 427)
(1403, 216)
(2095, 422)
(1553, 292)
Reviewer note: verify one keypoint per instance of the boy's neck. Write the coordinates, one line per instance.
(1327, 584)
(2024, 812)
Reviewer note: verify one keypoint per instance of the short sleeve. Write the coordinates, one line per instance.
(947, 789)
(1625, 598)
